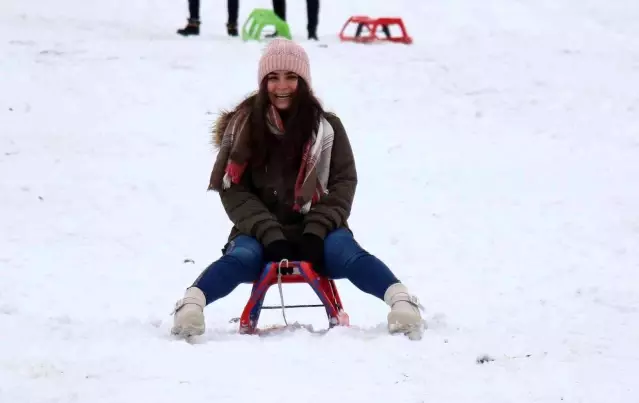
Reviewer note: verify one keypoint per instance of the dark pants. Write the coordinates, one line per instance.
(231, 5)
(312, 13)
(344, 259)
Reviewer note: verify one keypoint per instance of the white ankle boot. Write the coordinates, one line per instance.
(188, 317)
(404, 316)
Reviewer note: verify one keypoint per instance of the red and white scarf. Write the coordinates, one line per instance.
(312, 178)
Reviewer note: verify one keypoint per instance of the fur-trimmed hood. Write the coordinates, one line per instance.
(220, 125)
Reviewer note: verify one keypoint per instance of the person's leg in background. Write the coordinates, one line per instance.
(233, 7)
(279, 7)
(312, 14)
(193, 24)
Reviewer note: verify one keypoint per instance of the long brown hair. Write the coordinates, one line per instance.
(301, 120)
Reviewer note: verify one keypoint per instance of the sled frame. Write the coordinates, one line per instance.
(292, 272)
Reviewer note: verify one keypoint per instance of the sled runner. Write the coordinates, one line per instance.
(286, 272)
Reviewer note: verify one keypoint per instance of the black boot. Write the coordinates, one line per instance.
(231, 29)
(192, 28)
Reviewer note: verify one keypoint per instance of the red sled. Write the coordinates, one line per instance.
(372, 25)
(286, 272)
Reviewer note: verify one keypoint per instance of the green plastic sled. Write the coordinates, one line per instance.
(260, 18)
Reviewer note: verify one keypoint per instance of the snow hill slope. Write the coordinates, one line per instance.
(498, 159)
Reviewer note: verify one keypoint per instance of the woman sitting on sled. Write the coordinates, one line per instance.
(286, 176)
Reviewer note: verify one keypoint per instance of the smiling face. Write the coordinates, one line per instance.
(281, 87)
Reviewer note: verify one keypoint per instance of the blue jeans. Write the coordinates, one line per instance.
(343, 258)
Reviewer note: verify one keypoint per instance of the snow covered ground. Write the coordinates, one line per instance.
(502, 146)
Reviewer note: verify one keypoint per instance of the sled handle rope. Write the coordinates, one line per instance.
(279, 286)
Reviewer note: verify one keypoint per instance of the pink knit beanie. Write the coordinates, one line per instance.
(284, 54)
